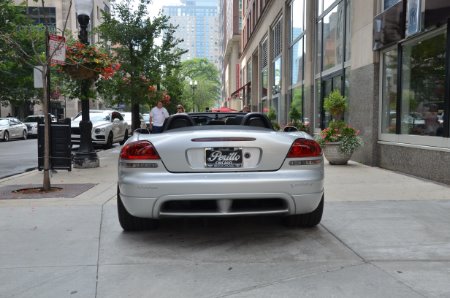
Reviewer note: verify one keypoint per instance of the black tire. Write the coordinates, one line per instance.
(6, 136)
(25, 135)
(129, 222)
(307, 220)
(109, 142)
(125, 137)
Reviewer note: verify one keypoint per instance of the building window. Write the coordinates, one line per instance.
(423, 86)
(43, 15)
(297, 19)
(276, 52)
(333, 37)
(297, 55)
(264, 69)
(389, 92)
(389, 3)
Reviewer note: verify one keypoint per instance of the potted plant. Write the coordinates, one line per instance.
(335, 104)
(338, 140)
(87, 62)
(296, 122)
(272, 115)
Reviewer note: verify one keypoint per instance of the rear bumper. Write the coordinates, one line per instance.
(281, 192)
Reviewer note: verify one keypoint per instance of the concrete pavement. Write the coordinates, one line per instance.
(383, 234)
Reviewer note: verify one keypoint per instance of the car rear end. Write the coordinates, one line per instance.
(217, 173)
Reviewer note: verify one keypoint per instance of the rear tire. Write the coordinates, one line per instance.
(307, 220)
(129, 222)
(6, 136)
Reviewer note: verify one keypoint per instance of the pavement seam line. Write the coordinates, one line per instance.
(99, 243)
(345, 244)
(286, 279)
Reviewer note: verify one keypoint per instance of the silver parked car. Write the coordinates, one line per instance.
(12, 128)
(108, 127)
(219, 165)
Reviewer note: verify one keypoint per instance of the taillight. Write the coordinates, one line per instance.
(139, 150)
(304, 148)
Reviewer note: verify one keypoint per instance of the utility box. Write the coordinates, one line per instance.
(60, 145)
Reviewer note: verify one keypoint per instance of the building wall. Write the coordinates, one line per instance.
(200, 33)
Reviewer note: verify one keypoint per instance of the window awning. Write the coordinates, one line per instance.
(236, 93)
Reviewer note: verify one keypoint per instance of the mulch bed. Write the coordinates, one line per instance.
(34, 191)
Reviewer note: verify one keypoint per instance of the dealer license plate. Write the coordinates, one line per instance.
(223, 157)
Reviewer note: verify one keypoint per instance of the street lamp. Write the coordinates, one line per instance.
(85, 157)
(193, 86)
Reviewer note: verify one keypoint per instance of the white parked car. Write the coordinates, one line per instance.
(108, 127)
(12, 128)
(127, 118)
(32, 122)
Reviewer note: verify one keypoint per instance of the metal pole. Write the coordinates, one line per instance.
(85, 157)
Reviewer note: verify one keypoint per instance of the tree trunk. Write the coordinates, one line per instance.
(46, 92)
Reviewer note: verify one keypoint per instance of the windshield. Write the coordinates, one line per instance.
(95, 117)
(32, 119)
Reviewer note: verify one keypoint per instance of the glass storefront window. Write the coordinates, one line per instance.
(423, 86)
(389, 92)
(297, 19)
(297, 99)
(348, 31)
(277, 75)
(327, 3)
(297, 55)
(389, 3)
(264, 82)
(333, 38)
(318, 104)
(319, 47)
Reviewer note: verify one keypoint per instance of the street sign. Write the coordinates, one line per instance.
(57, 48)
(38, 77)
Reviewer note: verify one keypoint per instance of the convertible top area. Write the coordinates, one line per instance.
(217, 119)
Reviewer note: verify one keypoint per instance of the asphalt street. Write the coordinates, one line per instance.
(383, 234)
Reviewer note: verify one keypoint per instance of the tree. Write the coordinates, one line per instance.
(25, 44)
(16, 77)
(208, 83)
(145, 65)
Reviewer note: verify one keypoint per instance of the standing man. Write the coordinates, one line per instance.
(157, 116)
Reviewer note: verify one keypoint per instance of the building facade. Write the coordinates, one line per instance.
(231, 19)
(198, 27)
(388, 57)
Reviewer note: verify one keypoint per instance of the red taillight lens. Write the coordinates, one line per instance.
(304, 148)
(139, 150)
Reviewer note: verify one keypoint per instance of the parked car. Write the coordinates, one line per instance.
(32, 122)
(220, 165)
(108, 127)
(146, 117)
(12, 128)
(127, 118)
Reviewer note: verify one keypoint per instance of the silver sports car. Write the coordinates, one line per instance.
(220, 165)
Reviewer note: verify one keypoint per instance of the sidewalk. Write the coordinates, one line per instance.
(383, 234)
(353, 182)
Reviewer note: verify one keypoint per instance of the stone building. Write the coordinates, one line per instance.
(388, 57)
